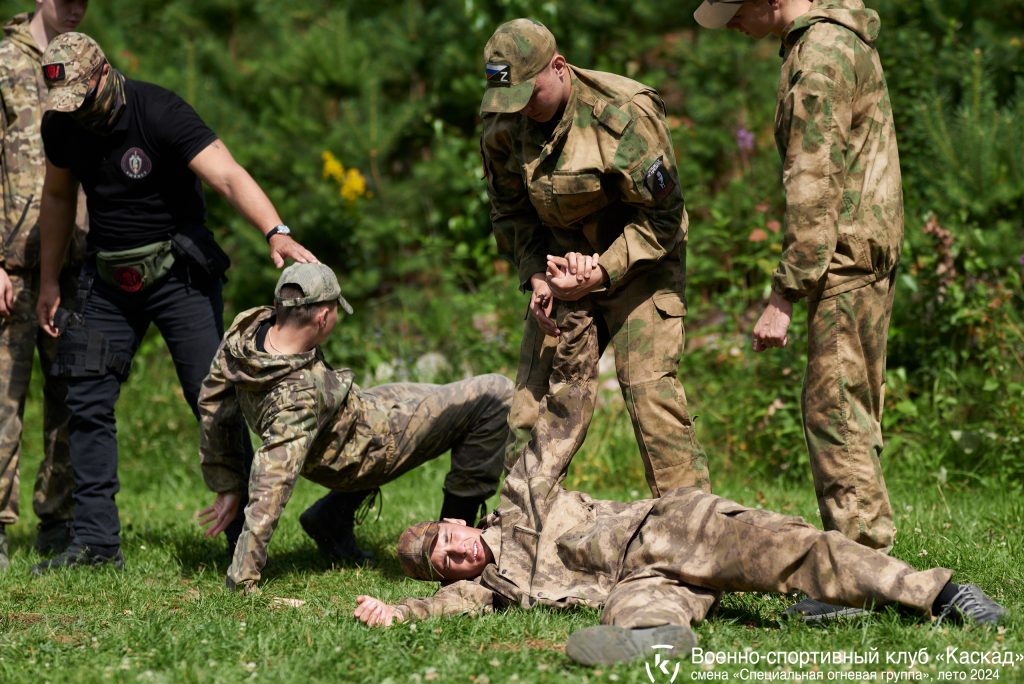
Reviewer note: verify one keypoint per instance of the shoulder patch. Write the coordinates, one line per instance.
(658, 180)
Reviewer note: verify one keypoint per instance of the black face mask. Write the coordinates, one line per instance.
(101, 109)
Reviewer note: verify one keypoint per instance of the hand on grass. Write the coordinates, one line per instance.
(218, 515)
(374, 612)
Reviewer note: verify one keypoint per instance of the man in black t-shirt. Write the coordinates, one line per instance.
(139, 152)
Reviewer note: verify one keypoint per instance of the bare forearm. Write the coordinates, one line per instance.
(56, 221)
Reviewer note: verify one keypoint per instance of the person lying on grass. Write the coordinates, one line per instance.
(656, 565)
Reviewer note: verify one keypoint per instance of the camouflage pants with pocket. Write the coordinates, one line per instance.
(844, 387)
(469, 417)
(20, 336)
(694, 545)
(643, 320)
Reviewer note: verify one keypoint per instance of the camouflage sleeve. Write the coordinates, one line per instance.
(275, 467)
(4, 228)
(461, 598)
(816, 116)
(645, 169)
(521, 238)
(220, 431)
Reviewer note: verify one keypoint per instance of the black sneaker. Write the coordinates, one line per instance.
(53, 536)
(79, 556)
(970, 602)
(810, 610)
(608, 644)
(335, 544)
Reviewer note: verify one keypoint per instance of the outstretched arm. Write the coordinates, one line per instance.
(219, 170)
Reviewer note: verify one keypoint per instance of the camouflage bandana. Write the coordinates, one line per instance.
(414, 548)
(100, 111)
(518, 51)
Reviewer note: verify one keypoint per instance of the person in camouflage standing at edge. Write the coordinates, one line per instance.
(580, 163)
(22, 168)
(843, 235)
(316, 422)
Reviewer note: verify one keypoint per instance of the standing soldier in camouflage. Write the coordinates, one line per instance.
(22, 168)
(580, 163)
(316, 422)
(844, 231)
(656, 566)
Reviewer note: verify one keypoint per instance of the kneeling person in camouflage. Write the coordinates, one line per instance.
(316, 422)
(656, 565)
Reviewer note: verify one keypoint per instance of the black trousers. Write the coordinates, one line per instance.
(189, 314)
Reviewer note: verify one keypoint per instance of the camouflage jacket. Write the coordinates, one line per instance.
(605, 182)
(841, 169)
(313, 421)
(551, 546)
(22, 162)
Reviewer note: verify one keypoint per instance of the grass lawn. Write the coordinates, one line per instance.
(167, 618)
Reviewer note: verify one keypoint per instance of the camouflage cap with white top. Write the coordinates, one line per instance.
(69, 61)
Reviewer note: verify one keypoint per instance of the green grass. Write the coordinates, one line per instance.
(167, 618)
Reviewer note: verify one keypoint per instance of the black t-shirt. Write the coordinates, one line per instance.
(136, 180)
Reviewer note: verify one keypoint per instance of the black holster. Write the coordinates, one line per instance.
(195, 246)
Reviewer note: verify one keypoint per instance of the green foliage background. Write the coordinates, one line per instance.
(391, 89)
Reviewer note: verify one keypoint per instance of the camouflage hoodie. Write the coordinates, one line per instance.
(834, 130)
(313, 422)
(22, 161)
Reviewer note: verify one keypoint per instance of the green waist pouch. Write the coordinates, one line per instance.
(133, 270)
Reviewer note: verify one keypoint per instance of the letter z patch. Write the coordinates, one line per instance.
(658, 180)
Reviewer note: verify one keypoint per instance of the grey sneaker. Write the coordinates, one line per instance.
(970, 602)
(5, 560)
(810, 610)
(53, 537)
(608, 644)
(79, 556)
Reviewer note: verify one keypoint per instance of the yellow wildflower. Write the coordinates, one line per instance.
(332, 167)
(354, 185)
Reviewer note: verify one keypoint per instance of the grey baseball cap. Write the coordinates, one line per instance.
(318, 283)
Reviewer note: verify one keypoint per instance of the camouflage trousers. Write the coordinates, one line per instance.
(694, 545)
(842, 399)
(468, 417)
(20, 335)
(644, 323)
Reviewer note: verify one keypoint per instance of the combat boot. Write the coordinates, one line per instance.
(53, 537)
(608, 644)
(5, 560)
(330, 522)
(970, 603)
(81, 555)
(468, 508)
